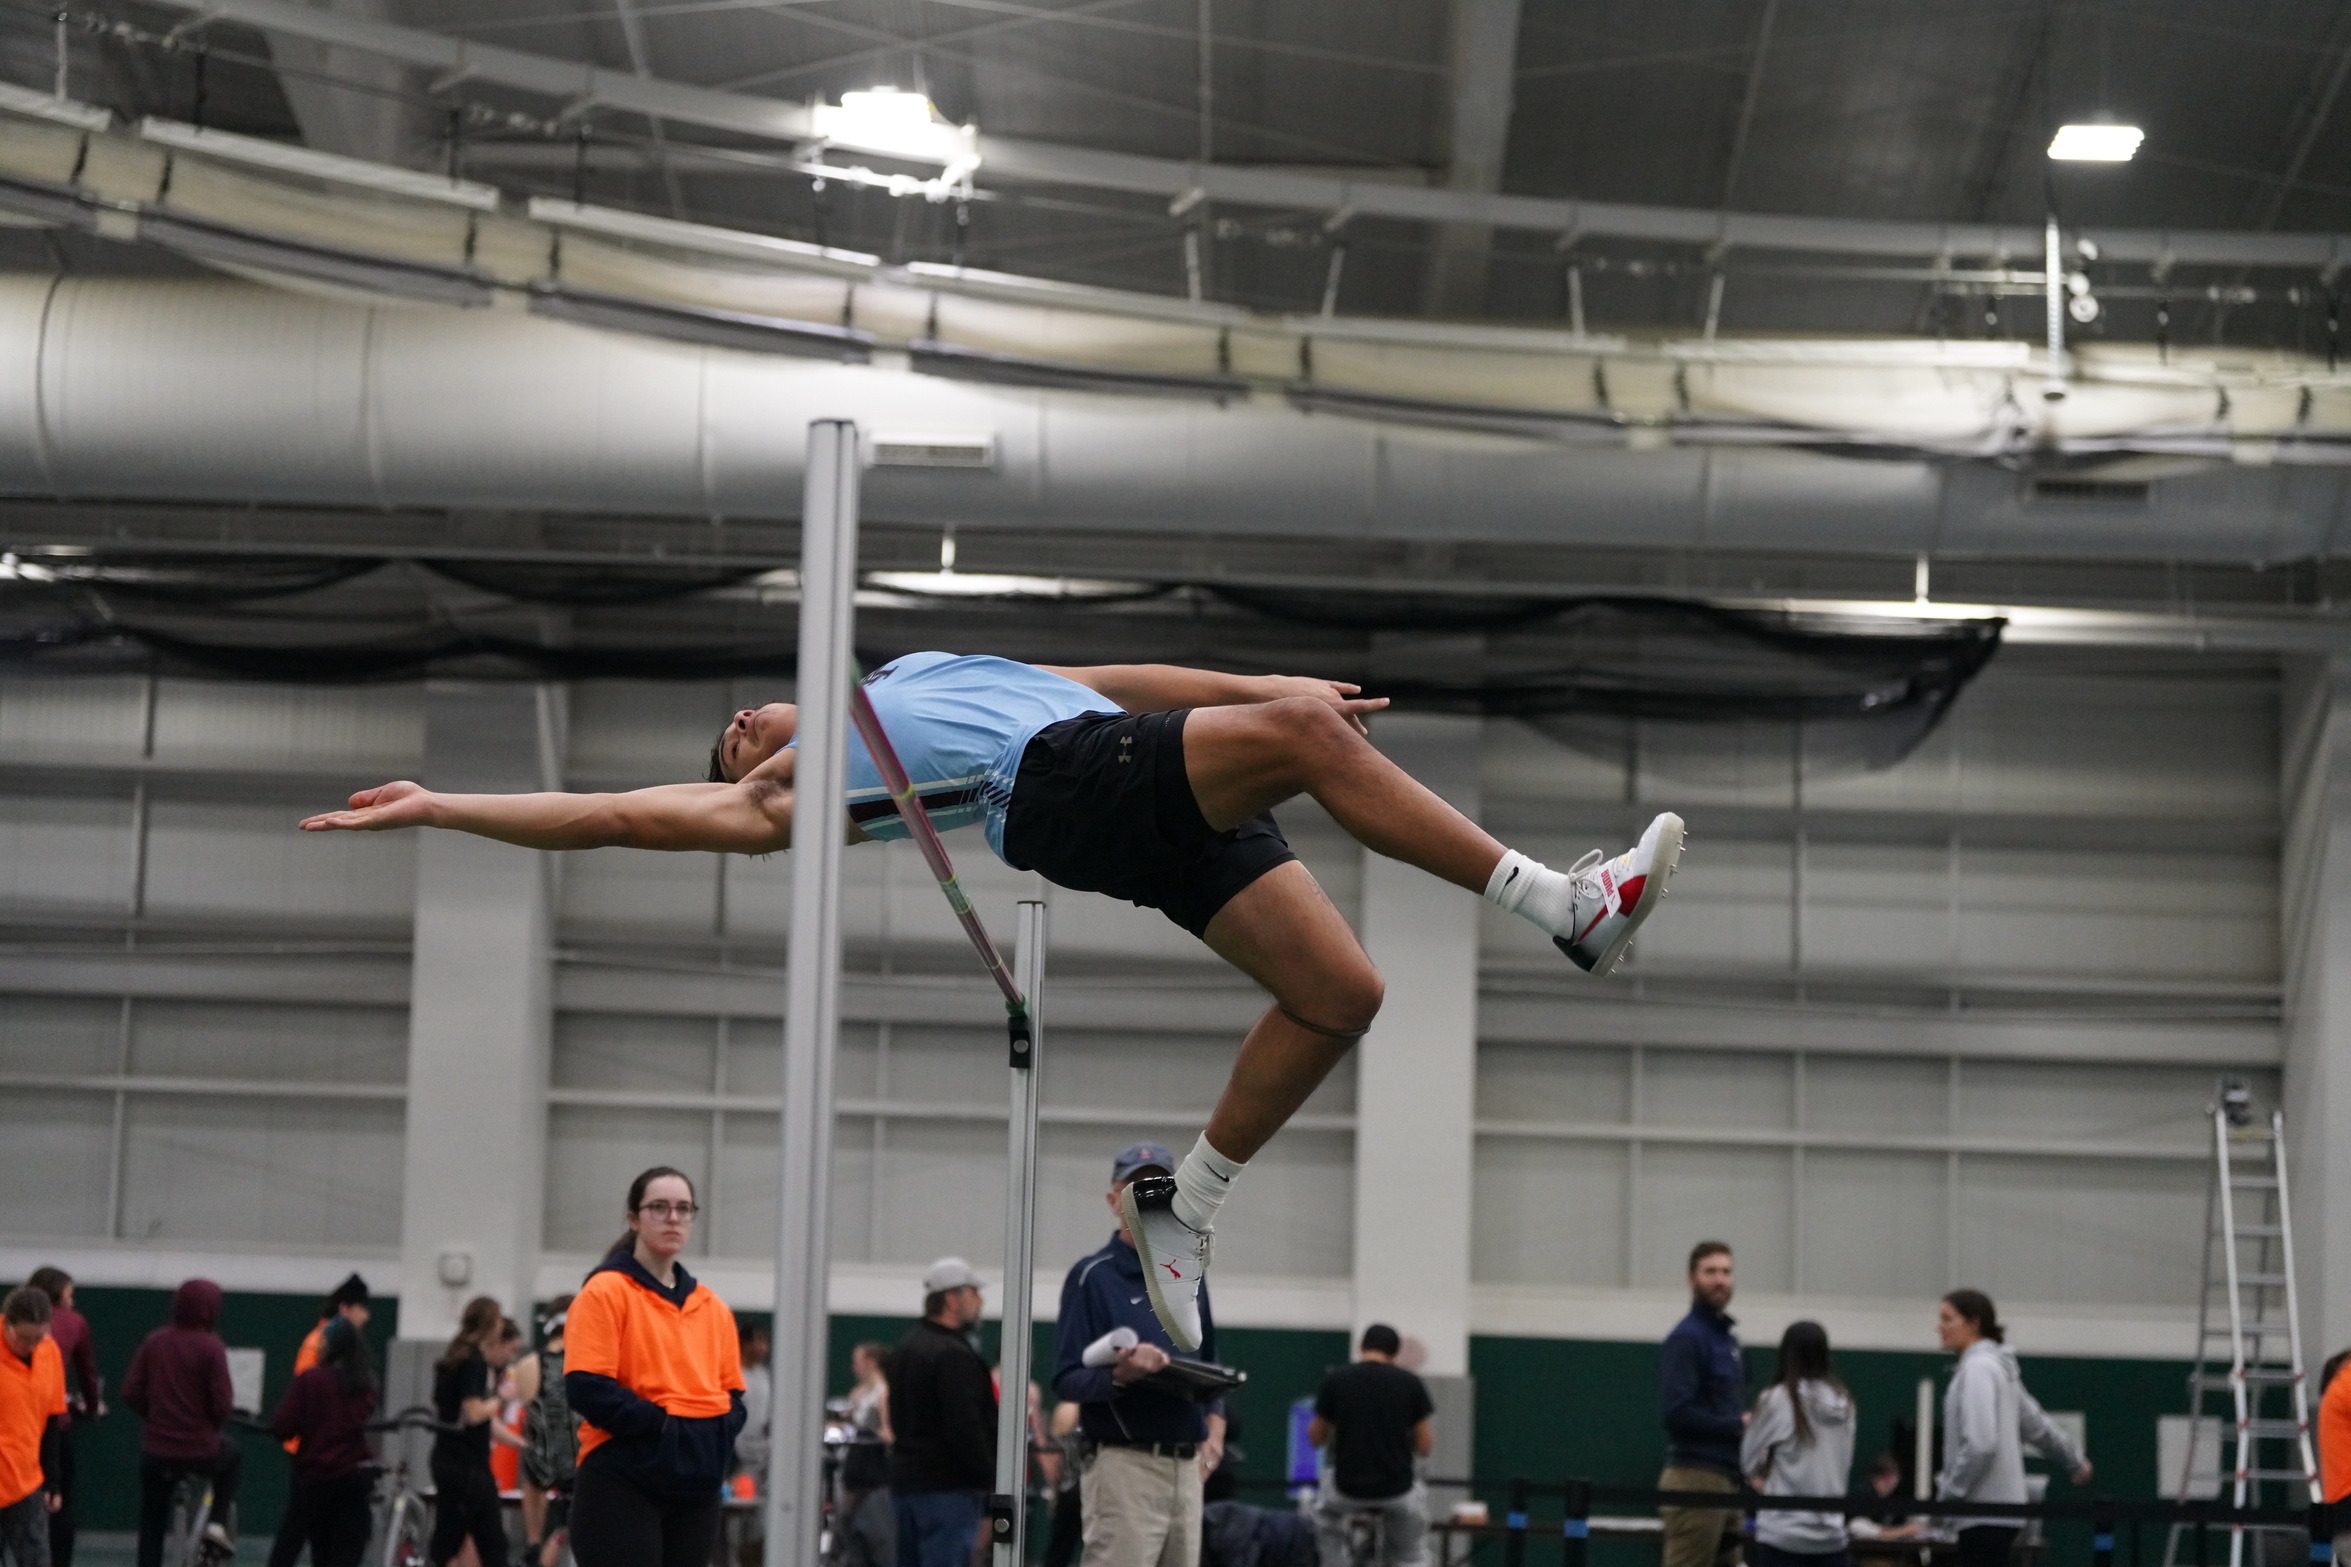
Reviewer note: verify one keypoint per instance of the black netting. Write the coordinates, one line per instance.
(1667, 686)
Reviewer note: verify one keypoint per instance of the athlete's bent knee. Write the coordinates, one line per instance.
(1343, 1009)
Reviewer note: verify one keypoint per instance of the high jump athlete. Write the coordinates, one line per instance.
(1146, 782)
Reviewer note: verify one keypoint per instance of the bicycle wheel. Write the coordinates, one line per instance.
(404, 1534)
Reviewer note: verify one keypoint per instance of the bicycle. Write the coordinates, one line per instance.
(404, 1516)
(192, 1536)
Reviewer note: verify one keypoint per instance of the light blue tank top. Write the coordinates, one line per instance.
(959, 725)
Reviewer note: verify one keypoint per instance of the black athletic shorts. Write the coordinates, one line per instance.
(1102, 804)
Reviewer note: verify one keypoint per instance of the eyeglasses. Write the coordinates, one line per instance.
(683, 1212)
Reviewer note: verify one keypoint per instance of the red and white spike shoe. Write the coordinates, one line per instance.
(1613, 897)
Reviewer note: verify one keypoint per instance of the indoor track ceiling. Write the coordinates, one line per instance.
(1904, 109)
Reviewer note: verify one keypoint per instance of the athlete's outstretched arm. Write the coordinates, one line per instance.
(751, 817)
(1155, 688)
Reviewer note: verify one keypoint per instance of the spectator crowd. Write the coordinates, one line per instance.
(638, 1409)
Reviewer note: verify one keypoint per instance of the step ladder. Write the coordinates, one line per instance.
(2248, 1378)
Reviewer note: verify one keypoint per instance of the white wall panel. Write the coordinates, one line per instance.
(344, 729)
(630, 733)
(262, 1172)
(622, 891)
(1684, 1195)
(2067, 1102)
(66, 852)
(1549, 1212)
(55, 1156)
(92, 718)
(1687, 1088)
(281, 1042)
(592, 1155)
(60, 1036)
(2068, 1230)
(1873, 1225)
(1546, 1083)
(1886, 1096)
(625, 1050)
(246, 860)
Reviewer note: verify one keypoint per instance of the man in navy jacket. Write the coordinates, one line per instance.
(1702, 1397)
(1146, 1448)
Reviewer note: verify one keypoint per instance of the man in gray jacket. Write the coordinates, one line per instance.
(1988, 1421)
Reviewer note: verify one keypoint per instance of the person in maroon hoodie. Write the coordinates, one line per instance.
(326, 1410)
(84, 1396)
(178, 1384)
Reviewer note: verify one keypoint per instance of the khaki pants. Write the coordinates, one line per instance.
(1140, 1510)
(1698, 1536)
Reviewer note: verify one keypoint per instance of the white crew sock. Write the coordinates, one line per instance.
(1534, 892)
(1201, 1183)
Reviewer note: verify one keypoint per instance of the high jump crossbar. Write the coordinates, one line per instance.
(1007, 1508)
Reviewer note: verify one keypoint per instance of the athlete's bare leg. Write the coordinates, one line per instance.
(1283, 932)
(1246, 760)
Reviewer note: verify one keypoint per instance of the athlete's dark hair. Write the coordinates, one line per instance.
(52, 1282)
(26, 1305)
(341, 1347)
(474, 1328)
(718, 772)
(627, 1244)
(1380, 1339)
(1804, 1357)
(1705, 1249)
(2335, 1362)
(1976, 1307)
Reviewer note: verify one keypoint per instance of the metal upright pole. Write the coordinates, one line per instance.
(812, 1003)
(1008, 1509)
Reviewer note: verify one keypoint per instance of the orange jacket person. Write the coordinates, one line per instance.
(2334, 1445)
(32, 1424)
(652, 1369)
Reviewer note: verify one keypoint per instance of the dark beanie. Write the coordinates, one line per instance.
(351, 1292)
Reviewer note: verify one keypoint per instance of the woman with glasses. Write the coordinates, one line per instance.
(653, 1370)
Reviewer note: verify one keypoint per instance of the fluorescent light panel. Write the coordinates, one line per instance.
(2095, 143)
(329, 167)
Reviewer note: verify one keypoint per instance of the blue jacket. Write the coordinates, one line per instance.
(1702, 1391)
(1102, 1292)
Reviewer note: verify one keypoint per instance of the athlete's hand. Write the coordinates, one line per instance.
(1348, 699)
(380, 809)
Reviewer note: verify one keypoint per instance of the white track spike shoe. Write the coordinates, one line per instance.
(1175, 1256)
(1613, 897)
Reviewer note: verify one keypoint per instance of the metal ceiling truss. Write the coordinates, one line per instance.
(583, 88)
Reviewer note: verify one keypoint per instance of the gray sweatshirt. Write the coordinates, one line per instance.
(1784, 1466)
(1988, 1421)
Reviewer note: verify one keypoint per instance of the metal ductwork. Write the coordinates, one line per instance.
(222, 391)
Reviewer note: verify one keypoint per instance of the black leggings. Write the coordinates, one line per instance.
(465, 1506)
(158, 1477)
(336, 1517)
(1986, 1545)
(614, 1524)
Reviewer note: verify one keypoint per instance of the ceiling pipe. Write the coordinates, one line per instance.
(137, 390)
(582, 86)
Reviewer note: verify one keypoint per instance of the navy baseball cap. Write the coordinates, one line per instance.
(1140, 1156)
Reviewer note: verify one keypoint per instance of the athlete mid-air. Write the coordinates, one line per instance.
(1146, 782)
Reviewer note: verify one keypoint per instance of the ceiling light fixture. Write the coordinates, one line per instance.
(2095, 143)
(893, 124)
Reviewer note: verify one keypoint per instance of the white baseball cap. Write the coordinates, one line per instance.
(950, 1273)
